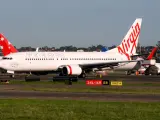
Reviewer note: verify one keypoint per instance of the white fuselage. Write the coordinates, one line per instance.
(51, 61)
(158, 66)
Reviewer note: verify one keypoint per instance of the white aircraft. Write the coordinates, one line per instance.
(73, 63)
(132, 66)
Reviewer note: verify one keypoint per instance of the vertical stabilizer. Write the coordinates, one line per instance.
(129, 43)
(6, 46)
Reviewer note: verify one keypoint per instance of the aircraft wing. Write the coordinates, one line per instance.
(106, 64)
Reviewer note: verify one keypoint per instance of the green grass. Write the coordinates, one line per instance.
(33, 109)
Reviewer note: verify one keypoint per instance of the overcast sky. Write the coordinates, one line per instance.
(80, 23)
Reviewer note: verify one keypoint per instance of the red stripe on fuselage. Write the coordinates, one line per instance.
(70, 69)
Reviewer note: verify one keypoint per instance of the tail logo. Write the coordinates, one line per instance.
(130, 42)
(6, 46)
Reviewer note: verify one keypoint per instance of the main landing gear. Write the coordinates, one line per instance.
(151, 70)
(83, 75)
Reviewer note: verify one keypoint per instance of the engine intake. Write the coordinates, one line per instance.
(71, 70)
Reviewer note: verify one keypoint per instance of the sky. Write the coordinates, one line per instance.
(80, 23)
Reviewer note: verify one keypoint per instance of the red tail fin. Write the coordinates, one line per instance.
(152, 53)
(7, 47)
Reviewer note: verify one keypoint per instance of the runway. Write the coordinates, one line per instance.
(80, 96)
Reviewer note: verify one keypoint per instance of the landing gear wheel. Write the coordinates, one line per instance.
(129, 72)
(83, 75)
(151, 70)
(61, 74)
(12, 76)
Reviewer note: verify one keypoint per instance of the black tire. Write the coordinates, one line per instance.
(153, 70)
(129, 72)
(60, 74)
(146, 71)
(82, 75)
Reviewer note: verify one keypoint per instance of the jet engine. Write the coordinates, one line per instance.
(71, 70)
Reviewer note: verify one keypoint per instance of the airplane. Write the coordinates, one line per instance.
(150, 67)
(143, 64)
(129, 67)
(73, 63)
(13, 50)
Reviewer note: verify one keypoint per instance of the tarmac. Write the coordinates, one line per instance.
(11, 93)
(80, 96)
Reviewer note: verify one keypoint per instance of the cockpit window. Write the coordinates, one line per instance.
(7, 58)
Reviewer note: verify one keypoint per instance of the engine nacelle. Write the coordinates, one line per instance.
(71, 70)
